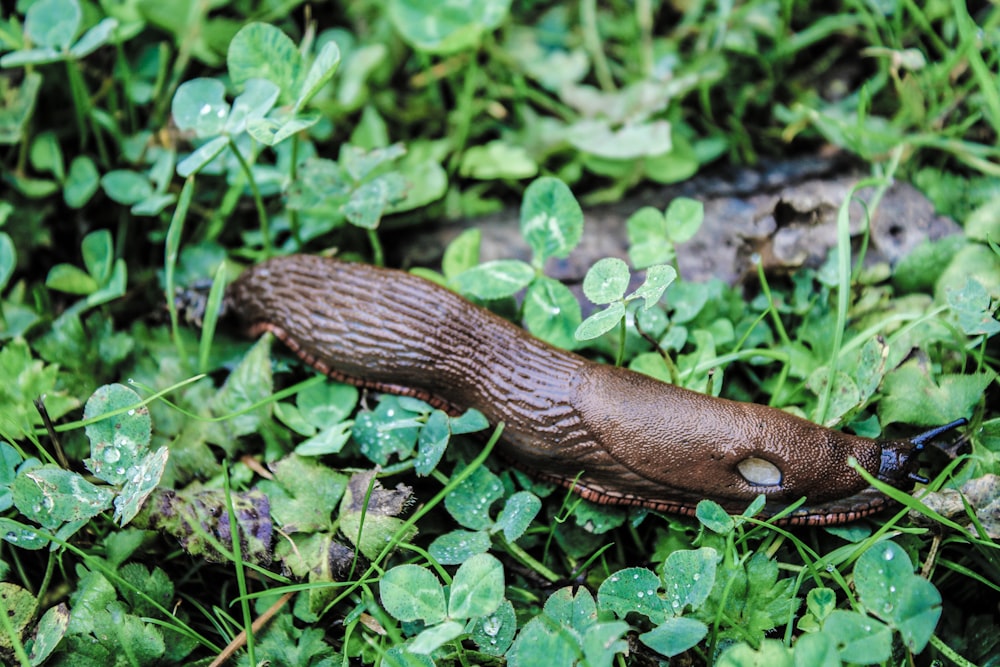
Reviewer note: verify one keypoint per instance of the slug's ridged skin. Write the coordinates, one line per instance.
(636, 440)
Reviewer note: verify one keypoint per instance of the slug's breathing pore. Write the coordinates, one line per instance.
(613, 435)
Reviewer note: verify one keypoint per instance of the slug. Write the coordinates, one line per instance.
(610, 434)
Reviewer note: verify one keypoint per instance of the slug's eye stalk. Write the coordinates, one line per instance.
(920, 441)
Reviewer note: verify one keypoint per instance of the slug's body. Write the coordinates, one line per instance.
(614, 435)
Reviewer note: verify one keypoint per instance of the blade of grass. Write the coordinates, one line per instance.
(843, 294)
(241, 575)
(212, 309)
(172, 246)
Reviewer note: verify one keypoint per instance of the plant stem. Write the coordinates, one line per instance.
(265, 227)
(81, 104)
(644, 18)
(186, 36)
(530, 561)
(592, 42)
(293, 170)
(950, 653)
(378, 255)
(127, 84)
(14, 638)
(621, 341)
(463, 114)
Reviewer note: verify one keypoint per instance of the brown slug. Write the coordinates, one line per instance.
(613, 435)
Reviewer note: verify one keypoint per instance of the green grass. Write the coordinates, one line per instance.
(153, 146)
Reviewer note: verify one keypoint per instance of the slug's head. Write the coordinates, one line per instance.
(899, 457)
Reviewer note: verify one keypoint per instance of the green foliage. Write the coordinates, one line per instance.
(359, 188)
(469, 504)
(551, 220)
(52, 27)
(413, 593)
(369, 514)
(321, 413)
(435, 28)
(652, 234)
(285, 645)
(913, 397)
(62, 501)
(28, 379)
(409, 427)
(103, 280)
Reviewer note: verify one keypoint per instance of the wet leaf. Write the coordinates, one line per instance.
(477, 588)
(52, 496)
(457, 546)
(120, 443)
(633, 589)
(412, 593)
(494, 632)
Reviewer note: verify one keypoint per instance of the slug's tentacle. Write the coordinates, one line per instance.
(615, 436)
(920, 441)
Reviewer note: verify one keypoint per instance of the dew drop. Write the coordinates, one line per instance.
(131, 412)
(111, 455)
(889, 554)
(696, 576)
(491, 626)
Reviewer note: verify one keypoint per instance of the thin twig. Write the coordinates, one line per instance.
(56, 445)
(241, 639)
